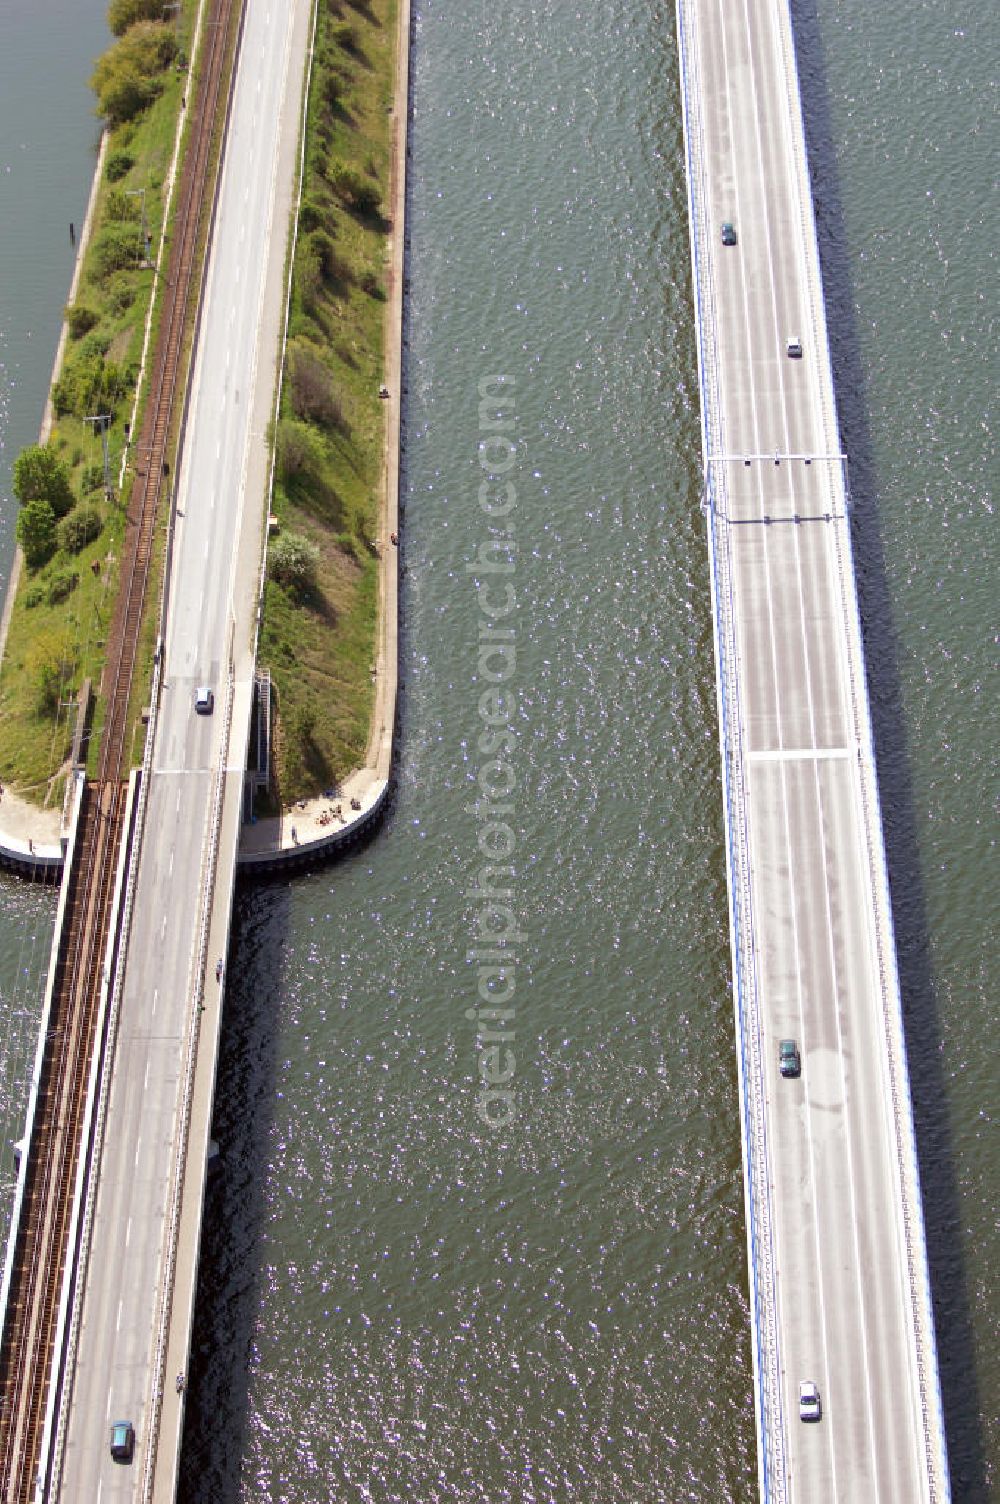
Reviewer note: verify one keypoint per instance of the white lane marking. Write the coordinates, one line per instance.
(128, 1232)
(799, 754)
(170, 866)
(773, 645)
(136, 1160)
(145, 1079)
(156, 994)
(163, 927)
(118, 1323)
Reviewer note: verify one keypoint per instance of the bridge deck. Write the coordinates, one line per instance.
(838, 1269)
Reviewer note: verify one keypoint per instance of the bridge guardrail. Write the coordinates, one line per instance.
(113, 1004)
(912, 1233)
(904, 1133)
(770, 1410)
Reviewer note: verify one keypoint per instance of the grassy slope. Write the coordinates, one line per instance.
(320, 644)
(35, 740)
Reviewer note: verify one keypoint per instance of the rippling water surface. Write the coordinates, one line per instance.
(48, 137)
(396, 1302)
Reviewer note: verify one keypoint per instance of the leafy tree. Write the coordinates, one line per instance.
(36, 532)
(294, 561)
(126, 79)
(40, 475)
(124, 13)
(79, 527)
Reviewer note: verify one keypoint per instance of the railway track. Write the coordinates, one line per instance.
(43, 1250)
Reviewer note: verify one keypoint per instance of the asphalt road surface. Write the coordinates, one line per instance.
(843, 1297)
(113, 1374)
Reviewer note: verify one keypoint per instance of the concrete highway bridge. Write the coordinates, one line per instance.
(838, 1269)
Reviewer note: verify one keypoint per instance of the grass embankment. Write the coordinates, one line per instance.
(67, 591)
(321, 596)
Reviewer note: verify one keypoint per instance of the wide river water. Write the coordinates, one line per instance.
(399, 1301)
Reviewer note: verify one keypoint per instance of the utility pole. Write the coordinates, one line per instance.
(140, 194)
(102, 422)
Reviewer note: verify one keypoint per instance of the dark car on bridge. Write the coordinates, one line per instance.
(789, 1060)
(122, 1440)
(728, 233)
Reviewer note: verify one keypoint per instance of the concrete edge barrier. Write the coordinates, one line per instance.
(768, 1407)
(29, 861)
(306, 855)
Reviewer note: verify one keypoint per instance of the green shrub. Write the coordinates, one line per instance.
(89, 384)
(62, 585)
(334, 266)
(51, 663)
(312, 390)
(293, 562)
(36, 532)
(344, 35)
(353, 187)
(310, 216)
(118, 165)
(371, 283)
(79, 527)
(300, 456)
(330, 90)
(122, 206)
(309, 277)
(121, 293)
(92, 479)
(80, 319)
(33, 596)
(115, 248)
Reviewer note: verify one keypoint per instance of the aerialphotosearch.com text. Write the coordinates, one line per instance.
(495, 932)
